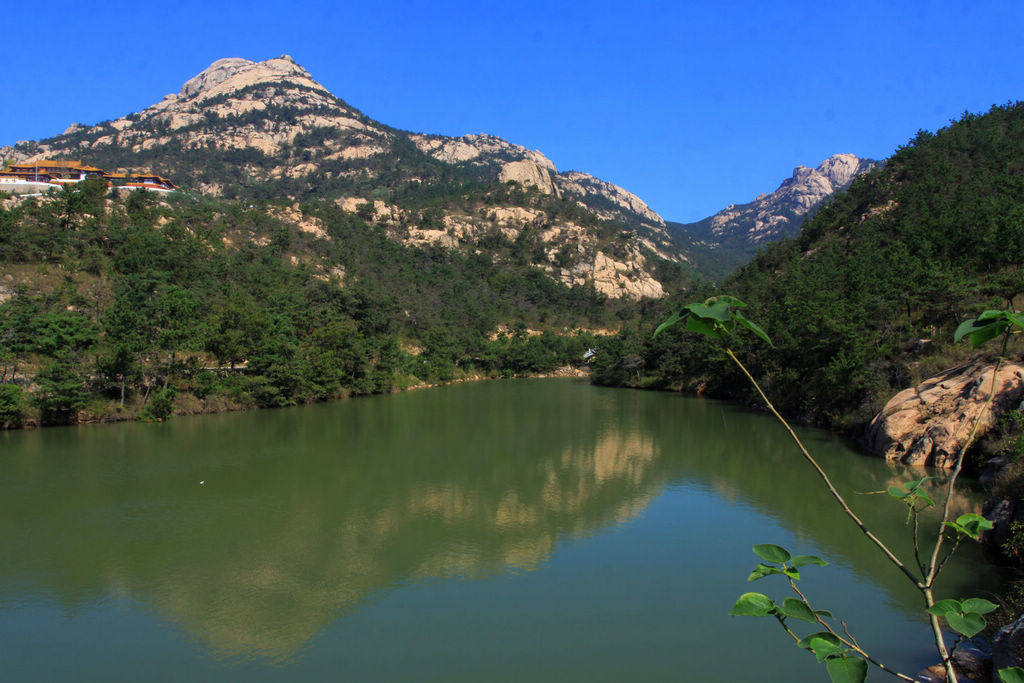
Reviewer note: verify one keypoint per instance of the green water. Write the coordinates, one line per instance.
(533, 530)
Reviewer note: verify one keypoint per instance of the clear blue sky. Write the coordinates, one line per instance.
(690, 105)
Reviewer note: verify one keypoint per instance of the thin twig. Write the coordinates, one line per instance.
(782, 622)
(828, 482)
(956, 644)
(942, 562)
(846, 630)
(865, 655)
(917, 546)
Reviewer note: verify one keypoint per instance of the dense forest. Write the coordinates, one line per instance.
(141, 306)
(864, 301)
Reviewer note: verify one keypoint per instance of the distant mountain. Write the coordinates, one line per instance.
(864, 301)
(268, 130)
(720, 243)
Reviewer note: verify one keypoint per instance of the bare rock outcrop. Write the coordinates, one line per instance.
(617, 279)
(928, 424)
(527, 173)
(586, 185)
(480, 148)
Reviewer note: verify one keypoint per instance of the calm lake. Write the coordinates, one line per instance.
(530, 530)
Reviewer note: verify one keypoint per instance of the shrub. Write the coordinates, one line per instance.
(160, 406)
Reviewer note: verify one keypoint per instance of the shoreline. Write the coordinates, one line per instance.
(133, 415)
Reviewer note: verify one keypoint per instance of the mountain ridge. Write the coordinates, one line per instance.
(778, 213)
(220, 89)
(728, 239)
(268, 130)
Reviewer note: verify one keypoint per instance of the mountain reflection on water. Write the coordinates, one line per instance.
(307, 514)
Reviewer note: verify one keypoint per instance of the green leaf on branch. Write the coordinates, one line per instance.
(729, 300)
(845, 669)
(772, 553)
(970, 624)
(979, 606)
(1012, 675)
(986, 326)
(762, 570)
(753, 327)
(676, 317)
(925, 499)
(915, 485)
(713, 308)
(798, 609)
(912, 491)
(823, 644)
(716, 317)
(944, 607)
(964, 617)
(695, 324)
(971, 525)
(803, 560)
(753, 605)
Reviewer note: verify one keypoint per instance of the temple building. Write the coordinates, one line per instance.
(41, 175)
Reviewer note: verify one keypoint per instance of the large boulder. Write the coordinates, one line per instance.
(972, 666)
(928, 424)
(1008, 646)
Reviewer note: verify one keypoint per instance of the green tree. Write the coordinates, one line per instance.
(236, 328)
(61, 391)
(12, 406)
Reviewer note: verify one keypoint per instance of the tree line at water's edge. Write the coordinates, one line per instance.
(143, 306)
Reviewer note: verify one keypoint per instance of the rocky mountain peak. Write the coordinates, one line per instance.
(808, 186)
(233, 73)
(216, 73)
(841, 169)
(730, 238)
(242, 126)
(779, 213)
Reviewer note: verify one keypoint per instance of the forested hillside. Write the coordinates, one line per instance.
(864, 301)
(139, 305)
(314, 253)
